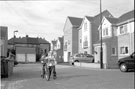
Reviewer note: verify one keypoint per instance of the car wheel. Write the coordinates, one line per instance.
(72, 63)
(123, 67)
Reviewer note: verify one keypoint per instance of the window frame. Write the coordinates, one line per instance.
(85, 42)
(105, 32)
(113, 52)
(123, 29)
(124, 50)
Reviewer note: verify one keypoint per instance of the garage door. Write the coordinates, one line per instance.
(20, 57)
(31, 58)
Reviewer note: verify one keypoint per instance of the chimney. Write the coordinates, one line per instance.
(27, 36)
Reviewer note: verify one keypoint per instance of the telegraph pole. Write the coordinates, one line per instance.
(101, 48)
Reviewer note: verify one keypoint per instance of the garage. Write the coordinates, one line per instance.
(25, 54)
(20, 57)
(31, 58)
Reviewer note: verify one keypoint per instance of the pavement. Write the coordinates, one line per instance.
(27, 76)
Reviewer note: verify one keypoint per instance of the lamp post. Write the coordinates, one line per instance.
(14, 39)
(101, 49)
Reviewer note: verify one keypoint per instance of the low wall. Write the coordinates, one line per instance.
(89, 65)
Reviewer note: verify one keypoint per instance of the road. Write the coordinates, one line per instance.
(27, 76)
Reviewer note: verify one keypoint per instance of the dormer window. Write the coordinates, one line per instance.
(85, 27)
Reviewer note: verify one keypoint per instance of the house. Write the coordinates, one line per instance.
(117, 39)
(54, 45)
(58, 49)
(71, 36)
(29, 49)
(109, 43)
(88, 32)
(3, 40)
(126, 34)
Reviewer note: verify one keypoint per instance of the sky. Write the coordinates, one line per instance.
(46, 18)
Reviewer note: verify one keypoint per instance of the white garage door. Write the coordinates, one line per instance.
(20, 57)
(31, 58)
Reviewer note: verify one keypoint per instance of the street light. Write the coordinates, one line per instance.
(14, 39)
(101, 52)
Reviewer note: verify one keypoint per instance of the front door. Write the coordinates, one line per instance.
(97, 54)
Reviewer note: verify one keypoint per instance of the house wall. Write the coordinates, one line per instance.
(3, 40)
(112, 59)
(74, 40)
(59, 51)
(80, 47)
(95, 35)
(59, 57)
(67, 39)
(132, 37)
(45, 46)
(126, 40)
(87, 34)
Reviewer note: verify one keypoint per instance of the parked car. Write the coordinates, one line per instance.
(81, 58)
(127, 63)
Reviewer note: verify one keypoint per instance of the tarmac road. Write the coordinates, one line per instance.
(27, 76)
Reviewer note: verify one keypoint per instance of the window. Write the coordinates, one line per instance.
(105, 32)
(124, 50)
(123, 29)
(85, 43)
(85, 27)
(113, 51)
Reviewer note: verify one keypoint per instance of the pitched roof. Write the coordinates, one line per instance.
(112, 20)
(127, 16)
(17, 40)
(32, 40)
(54, 42)
(89, 18)
(105, 13)
(28, 40)
(42, 41)
(75, 21)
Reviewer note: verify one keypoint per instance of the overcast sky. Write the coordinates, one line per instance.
(46, 18)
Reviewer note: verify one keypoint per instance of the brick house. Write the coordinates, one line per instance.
(71, 37)
(28, 49)
(117, 37)
(126, 34)
(109, 39)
